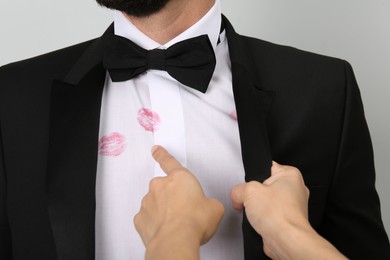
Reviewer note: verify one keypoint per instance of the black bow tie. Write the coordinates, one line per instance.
(191, 62)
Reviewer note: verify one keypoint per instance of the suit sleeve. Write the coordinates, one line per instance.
(352, 220)
(5, 237)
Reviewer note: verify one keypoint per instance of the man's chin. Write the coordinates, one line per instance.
(137, 8)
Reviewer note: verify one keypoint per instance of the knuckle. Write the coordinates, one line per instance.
(143, 202)
(154, 183)
(136, 219)
(136, 216)
(267, 182)
(177, 173)
(295, 173)
(218, 206)
(251, 187)
(267, 250)
(295, 170)
(307, 192)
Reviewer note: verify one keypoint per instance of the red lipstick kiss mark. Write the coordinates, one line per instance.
(148, 119)
(233, 115)
(112, 144)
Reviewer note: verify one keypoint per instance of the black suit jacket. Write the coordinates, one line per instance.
(294, 107)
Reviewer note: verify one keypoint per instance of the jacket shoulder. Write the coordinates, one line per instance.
(287, 53)
(50, 65)
(283, 66)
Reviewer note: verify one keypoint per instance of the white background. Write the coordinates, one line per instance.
(355, 30)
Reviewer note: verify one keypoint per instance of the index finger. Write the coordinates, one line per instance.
(167, 162)
(236, 196)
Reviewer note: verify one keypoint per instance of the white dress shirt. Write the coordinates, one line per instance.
(200, 130)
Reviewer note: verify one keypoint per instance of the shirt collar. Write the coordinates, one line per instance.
(209, 24)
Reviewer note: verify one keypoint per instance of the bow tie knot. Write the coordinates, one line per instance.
(156, 59)
(191, 62)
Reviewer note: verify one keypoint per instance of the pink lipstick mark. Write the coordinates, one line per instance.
(148, 119)
(112, 144)
(233, 115)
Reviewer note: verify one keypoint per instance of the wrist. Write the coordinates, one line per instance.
(301, 241)
(174, 241)
(283, 238)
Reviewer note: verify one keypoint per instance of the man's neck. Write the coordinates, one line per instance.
(176, 17)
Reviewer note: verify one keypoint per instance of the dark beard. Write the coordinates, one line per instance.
(138, 8)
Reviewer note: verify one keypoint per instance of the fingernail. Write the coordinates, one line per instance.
(154, 148)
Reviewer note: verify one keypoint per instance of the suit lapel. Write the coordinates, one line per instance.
(252, 105)
(74, 129)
